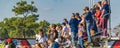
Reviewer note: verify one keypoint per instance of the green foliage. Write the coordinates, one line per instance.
(13, 27)
(17, 27)
(44, 25)
(29, 17)
(3, 33)
(58, 24)
(23, 8)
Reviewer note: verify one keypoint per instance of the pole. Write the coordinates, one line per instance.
(89, 3)
(109, 18)
(93, 2)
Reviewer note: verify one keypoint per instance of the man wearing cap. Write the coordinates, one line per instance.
(89, 22)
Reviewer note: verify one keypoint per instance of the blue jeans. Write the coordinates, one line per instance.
(88, 27)
(73, 37)
(80, 39)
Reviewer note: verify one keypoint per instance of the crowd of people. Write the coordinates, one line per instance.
(72, 33)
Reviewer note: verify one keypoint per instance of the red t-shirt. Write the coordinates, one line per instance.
(98, 14)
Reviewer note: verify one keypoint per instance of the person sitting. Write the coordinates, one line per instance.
(65, 30)
(41, 38)
(52, 32)
(52, 43)
(80, 35)
(68, 42)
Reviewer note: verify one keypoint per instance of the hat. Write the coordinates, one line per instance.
(9, 40)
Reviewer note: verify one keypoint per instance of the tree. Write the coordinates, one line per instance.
(28, 11)
(58, 24)
(23, 8)
(44, 25)
(17, 27)
(3, 33)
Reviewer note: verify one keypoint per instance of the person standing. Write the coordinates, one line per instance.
(105, 15)
(89, 22)
(78, 17)
(99, 5)
(74, 28)
(99, 19)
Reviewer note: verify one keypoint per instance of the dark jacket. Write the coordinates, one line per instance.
(88, 17)
(107, 10)
(74, 25)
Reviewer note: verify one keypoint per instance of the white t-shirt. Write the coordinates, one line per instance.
(57, 40)
(65, 29)
(41, 39)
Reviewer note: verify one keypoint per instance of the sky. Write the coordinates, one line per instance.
(54, 11)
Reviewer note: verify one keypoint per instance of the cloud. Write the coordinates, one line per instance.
(48, 9)
(58, 0)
